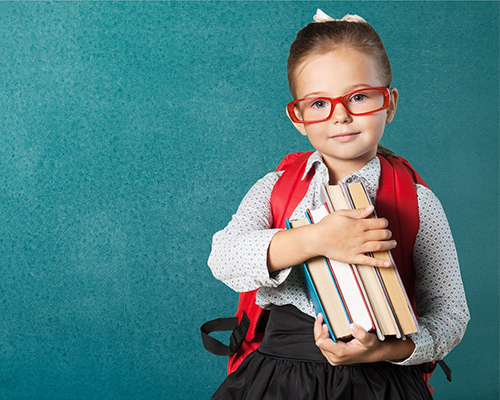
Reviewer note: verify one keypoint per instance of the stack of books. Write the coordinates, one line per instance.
(371, 297)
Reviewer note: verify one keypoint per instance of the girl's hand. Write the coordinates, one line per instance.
(362, 349)
(346, 235)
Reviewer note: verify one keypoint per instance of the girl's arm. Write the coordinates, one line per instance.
(239, 251)
(439, 292)
(248, 254)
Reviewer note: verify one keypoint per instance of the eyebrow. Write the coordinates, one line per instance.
(349, 89)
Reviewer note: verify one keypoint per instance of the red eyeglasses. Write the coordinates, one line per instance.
(310, 110)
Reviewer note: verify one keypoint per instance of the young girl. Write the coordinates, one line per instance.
(339, 75)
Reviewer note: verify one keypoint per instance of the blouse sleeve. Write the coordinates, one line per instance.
(440, 297)
(239, 251)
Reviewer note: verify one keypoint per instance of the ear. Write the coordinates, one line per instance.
(300, 127)
(391, 111)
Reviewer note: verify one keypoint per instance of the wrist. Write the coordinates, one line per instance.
(313, 241)
(291, 247)
(396, 350)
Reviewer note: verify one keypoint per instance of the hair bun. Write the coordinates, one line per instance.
(322, 17)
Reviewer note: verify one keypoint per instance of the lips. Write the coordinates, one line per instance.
(345, 137)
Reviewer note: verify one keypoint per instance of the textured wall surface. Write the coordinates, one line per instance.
(130, 131)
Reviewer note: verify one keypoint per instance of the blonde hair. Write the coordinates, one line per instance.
(323, 37)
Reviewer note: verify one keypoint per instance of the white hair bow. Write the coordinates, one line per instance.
(322, 17)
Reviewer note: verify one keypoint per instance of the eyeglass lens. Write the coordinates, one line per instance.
(317, 109)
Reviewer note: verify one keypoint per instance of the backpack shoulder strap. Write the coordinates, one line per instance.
(397, 202)
(289, 160)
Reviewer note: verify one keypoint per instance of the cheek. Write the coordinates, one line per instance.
(316, 130)
(377, 126)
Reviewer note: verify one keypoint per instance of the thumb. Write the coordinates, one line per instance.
(360, 213)
(358, 332)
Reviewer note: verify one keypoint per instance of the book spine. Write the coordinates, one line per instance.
(313, 294)
(392, 312)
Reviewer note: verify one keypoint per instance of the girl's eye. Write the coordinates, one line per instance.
(319, 104)
(356, 98)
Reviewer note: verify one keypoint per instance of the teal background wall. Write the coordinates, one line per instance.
(129, 133)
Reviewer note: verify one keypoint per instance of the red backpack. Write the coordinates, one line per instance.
(396, 201)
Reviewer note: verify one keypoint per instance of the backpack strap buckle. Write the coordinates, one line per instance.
(239, 331)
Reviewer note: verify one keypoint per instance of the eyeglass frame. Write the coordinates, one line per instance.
(339, 100)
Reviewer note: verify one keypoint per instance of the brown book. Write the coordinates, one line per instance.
(324, 293)
(372, 281)
(393, 285)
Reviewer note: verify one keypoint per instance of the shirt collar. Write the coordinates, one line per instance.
(370, 173)
(314, 159)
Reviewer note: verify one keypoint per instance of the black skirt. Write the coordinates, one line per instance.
(288, 365)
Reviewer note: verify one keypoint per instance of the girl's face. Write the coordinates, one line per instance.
(346, 142)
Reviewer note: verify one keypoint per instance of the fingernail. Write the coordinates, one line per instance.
(353, 328)
(394, 243)
(387, 264)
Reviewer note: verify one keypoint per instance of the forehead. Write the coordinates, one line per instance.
(336, 73)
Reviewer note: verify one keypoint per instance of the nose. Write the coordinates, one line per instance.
(340, 115)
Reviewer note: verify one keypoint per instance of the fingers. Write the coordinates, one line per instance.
(359, 349)
(320, 329)
(321, 333)
(371, 261)
(318, 326)
(374, 223)
(375, 247)
(377, 235)
(373, 236)
(323, 340)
